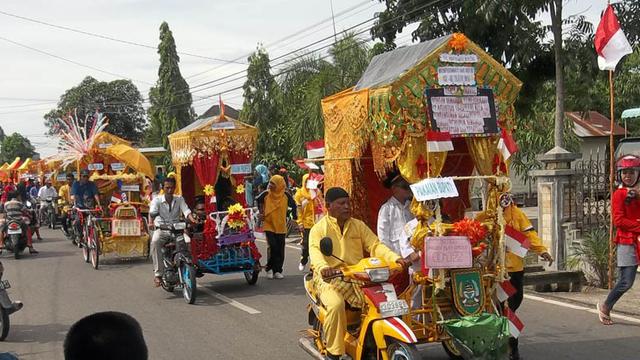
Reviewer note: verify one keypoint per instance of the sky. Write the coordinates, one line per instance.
(31, 82)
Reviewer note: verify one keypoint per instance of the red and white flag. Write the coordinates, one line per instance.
(505, 290)
(439, 141)
(610, 41)
(517, 242)
(308, 165)
(507, 145)
(515, 325)
(315, 149)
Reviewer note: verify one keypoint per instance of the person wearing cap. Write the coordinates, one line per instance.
(45, 192)
(625, 206)
(305, 199)
(84, 189)
(395, 212)
(351, 239)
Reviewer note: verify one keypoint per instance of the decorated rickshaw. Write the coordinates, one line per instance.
(441, 114)
(121, 174)
(212, 157)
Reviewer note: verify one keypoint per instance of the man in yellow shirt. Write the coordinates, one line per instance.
(517, 219)
(351, 238)
(64, 199)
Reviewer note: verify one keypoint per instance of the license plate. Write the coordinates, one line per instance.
(394, 308)
(16, 231)
(4, 285)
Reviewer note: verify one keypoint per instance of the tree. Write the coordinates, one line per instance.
(2, 135)
(170, 98)
(16, 145)
(119, 100)
(261, 107)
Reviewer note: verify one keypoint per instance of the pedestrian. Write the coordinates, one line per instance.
(274, 204)
(518, 220)
(625, 207)
(108, 335)
(305, 199)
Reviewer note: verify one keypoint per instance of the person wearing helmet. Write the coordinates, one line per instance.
(625, 209)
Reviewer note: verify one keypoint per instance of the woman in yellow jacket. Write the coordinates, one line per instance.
(274, 204)
(517, 219)
(305, 201)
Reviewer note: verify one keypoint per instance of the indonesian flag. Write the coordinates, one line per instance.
(118, 198)
(315, 149)
(308, 165)
(506, 145)
(515, 325)
(439, 141)
(611, 43)
(517, 242)
(505, 290)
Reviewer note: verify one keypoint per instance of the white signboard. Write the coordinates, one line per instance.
(104, 146)
(61, 177)
(435, 188)
(225, 125)
(117, 166)
(456, 75)
(95, 166)
(459, 58)
(447, 252)
(134, 188)
(461, 114)
(240, 169)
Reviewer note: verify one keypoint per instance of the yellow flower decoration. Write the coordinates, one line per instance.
(240, 189)
(235, 209)
(458, 42)
(208, 190)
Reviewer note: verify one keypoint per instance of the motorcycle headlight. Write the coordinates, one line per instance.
(378, 275)
(180, 226)
(28, 203)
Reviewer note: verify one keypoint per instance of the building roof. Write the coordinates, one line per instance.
(215, 111)
(592, 124)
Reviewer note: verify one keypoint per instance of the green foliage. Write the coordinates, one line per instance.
(170, 98)
(2, 134)
(119, 100)
(15, 145)
(593, 253)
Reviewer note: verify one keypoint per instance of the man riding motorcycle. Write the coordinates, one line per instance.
(14, 208)
(46, 192)
(64, 199)
(165, 209)
(351, 239)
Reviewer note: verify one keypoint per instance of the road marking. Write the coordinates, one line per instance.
(229, 301)
(579, 307)
(289, 246)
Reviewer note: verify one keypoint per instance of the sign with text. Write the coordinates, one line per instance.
(117, 166)
(462, 115)
(134, 188)
(435, 188)
(104, 146)
(240, 169)
(456, 75)
(224, 125)
(447, 252)
(95, 166)
(61, 177)
(459, 58)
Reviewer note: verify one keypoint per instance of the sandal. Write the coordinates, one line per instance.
(604, 318)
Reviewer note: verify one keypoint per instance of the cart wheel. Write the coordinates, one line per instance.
(251, 276)
(4, 323)
(451, 350)
(402, 351)
(189, 286)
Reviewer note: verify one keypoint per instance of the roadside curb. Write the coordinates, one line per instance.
(578, 302)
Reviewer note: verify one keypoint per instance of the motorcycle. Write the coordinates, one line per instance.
(16, 234)
(179, 270)
(32, 213)
(374, 332)
(7, 307)
(48, 213)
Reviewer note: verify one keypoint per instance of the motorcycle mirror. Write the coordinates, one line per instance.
(326, 246)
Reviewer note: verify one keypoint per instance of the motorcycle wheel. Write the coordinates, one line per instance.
(451, 350)
(189, 285)
(94, 248)
(4, 323)
(402, 351)
(15, 241)
(251, 276)
(52, 220)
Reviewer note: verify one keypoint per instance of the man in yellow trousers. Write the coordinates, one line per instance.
(351, 238)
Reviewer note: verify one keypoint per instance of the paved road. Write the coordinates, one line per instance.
(232, 320)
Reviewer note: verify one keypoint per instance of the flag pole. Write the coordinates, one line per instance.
(611, 179)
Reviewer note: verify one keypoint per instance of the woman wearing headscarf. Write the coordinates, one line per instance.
(305, 200)
(260, 179)
(274, 204)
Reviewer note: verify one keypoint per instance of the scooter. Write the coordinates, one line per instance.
(16, 235)
(374, 332)
(179, 270)
(7, 307)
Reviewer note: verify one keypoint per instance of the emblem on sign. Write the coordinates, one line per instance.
(468, 291)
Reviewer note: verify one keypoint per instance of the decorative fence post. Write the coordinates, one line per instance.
(553, 187)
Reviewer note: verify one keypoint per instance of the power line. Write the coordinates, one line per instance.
(105, 37)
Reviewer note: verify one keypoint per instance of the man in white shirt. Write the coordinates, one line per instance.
(395, 213)
(165, 209)
(46, 192)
